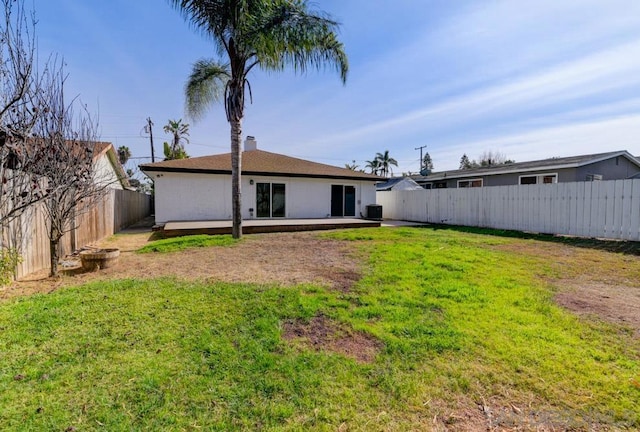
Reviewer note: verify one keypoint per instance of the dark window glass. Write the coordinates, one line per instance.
(263, 200)
(528, 180)
(278, 201)
(349, 201)
(336, 200)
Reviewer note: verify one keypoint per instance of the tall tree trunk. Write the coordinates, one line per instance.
(236, 168)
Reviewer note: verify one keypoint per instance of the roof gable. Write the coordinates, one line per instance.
(107, 149)
(258, 162)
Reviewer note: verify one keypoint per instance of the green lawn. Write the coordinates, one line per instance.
(461, 323)
(181, 243)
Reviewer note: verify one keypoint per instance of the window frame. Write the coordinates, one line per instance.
(539, 178)
(343, 204)
(470, 183)
(271, 200)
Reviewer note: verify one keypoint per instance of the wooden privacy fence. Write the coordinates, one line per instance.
(117, 210)
(603, 209)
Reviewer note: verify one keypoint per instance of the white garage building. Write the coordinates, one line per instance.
(274, 186)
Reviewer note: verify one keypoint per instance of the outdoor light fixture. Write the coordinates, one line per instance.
(251, 181)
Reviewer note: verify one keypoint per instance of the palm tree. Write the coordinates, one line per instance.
(268, 34)
(180, 132)
(373, 165)
(352, 166)
(123, 154)
(171, 154)
(385, 162)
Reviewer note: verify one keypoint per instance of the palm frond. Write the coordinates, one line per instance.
(291, 35)
(205, 85)
(213, 19)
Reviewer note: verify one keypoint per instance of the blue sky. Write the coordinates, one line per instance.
(528, 79)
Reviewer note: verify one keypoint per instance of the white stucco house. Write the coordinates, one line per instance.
(107, 170)
(273, 186)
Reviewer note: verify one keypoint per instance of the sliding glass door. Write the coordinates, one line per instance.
(270, 200)
(343, 200)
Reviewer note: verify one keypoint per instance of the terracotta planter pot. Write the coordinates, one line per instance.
(99, 259)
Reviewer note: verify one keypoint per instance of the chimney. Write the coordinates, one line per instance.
(250, 143)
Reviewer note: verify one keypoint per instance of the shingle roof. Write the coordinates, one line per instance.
(257, 162)
(552, 163)
(406, 183)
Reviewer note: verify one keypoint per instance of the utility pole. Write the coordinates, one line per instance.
(148, 128)
(421, 160)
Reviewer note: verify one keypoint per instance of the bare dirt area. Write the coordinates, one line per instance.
(282, 258)
(323, 334)
(590, 281)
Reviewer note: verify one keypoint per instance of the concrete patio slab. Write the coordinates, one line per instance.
(252, 226)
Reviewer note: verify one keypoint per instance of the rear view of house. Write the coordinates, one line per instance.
(274, 186)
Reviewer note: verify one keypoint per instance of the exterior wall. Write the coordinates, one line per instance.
(181, 196)
(188, 196)
(105, 174)
(564, 175)
(619, 168)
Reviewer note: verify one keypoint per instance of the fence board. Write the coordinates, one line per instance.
(606, 209)
(634, 227)
(117, 210)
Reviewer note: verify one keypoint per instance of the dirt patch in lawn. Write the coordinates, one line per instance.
(279, 258)
(589, 282)
(323, 334)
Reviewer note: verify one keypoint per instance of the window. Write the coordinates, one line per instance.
(539, 179)
(270, 200)
(470, 183)
(594, 177)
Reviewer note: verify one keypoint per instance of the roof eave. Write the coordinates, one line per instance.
(146, 169)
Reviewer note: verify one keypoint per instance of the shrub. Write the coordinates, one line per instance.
(9, 259)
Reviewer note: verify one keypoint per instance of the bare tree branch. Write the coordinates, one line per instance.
(65, 143)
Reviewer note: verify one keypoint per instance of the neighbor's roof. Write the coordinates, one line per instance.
(398, 183)
(257, 162)
(518, 167)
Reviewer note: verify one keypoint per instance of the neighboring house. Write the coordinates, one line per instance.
(603, 166)
(273, 186)
(398, 183)
(108, 170)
